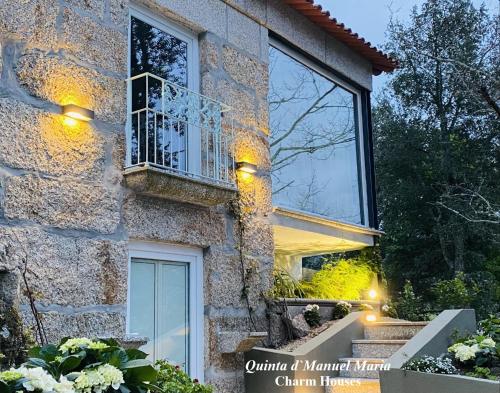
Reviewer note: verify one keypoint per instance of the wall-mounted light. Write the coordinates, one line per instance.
(77, 112)
(246, 167)
(372, 293)
(371, 318)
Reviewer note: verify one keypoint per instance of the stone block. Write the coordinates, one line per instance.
(349, 63)
(157, 219)
(224, 278)
(94, 43)
(243, 32)
(35, 140)
(246, 70)
(95, 7)
(224, 383)
(31, 21)
(67, 271)
(118, 10)
(62, 203)
(258, 237)
(209, 52)
(92, 324)
(296, 28)
(264, 44)
(256, 8)
(63, 82)
(263, 116)
(202, 15)
(242, 101)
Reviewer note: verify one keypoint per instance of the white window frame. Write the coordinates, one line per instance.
(361, 131)
(165, 252)
(193, 81)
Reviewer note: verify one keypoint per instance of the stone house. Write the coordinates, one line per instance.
(158, 158)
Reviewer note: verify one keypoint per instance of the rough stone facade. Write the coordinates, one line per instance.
(64, 207)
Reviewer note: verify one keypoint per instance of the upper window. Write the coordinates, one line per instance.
(315, 148)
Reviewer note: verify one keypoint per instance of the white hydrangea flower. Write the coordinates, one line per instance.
(385, 308)
(64, 386)
(37, 379)
(344, 303)
(112, 375)
(90, 380)
(464, 352)
(74, 343)
(488, 343)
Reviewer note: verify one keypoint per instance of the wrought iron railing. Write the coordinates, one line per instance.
(178, 130)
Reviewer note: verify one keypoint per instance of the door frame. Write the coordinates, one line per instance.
(193, 140)
(193, 256)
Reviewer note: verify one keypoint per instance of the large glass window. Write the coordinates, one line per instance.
(314, 141)
(156, 139)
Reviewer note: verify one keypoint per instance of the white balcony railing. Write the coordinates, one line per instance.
(178, 130)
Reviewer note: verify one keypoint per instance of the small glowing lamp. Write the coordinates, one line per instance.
(77, 112)
(372, 294)
(246, 167)
(371, 318)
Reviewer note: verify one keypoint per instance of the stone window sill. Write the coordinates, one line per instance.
(155, 182)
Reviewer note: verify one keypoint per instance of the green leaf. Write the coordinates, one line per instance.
(4, 388)
(69, 363)
(37, 362)
(139, 370)
(133, 354)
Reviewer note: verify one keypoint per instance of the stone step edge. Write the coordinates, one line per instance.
(368, 341)
(367, 360)
(402, 323)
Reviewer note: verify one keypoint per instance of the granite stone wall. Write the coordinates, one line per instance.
(64, 209)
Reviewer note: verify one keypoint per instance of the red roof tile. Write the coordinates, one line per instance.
(314, 12)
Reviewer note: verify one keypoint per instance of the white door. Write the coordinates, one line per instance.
(165, 302)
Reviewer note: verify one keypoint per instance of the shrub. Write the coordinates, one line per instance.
(482, 287)
(451, 294)
(171, 379)
(81, 365)
(409, 306)
(476, 350)
(365, 307)
(388, 310)
(490, 327)
(311, 315)
(430, 364)
(285, 285)
(341, 309)
(481, 372)
(345, 279)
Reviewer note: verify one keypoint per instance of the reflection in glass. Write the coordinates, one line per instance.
(313, 141)
(159, 53)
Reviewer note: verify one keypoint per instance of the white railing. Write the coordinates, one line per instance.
(178, 130)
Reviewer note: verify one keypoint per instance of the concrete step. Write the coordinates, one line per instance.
(361, 367)
(394, 330)
(353, 385)
(376, 348)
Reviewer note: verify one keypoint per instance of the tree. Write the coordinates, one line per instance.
(437, 133)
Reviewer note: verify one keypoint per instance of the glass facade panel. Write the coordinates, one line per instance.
(314, 142)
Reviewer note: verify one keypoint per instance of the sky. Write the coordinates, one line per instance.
(369, 18)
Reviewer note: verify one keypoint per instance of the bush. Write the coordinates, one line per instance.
(475, 350)
(171, 379)
(482, 373)
(82, 365)
(311, 315)
(285, 285)
(410, 306)
(365, 307)
(345, 279)
(451, 294)
(490, 327)
(430, 364)
(341, 309)
(388, 310)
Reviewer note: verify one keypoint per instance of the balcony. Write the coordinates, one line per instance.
(179, 143)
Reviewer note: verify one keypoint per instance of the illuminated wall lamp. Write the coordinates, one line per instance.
(246, 167)
(372, 294)
(77, 112)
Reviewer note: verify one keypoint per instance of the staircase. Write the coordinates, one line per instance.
(381, 340)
